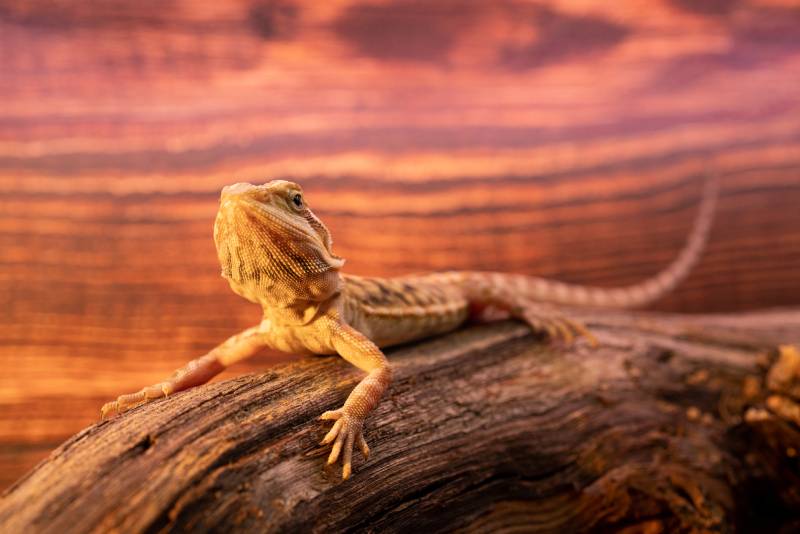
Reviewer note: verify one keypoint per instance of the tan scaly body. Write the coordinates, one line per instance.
(275, 252)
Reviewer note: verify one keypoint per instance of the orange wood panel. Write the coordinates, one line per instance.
(562, 138)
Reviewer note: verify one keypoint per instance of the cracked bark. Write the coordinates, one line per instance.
(674, 423)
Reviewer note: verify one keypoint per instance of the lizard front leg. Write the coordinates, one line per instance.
(194, 373)
(348, 429)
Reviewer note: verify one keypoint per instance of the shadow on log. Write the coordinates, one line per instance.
(674, 423)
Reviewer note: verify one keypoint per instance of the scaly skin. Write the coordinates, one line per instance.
(276, 253)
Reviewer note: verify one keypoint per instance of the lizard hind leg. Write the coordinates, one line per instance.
(548, 320)
(495, 296)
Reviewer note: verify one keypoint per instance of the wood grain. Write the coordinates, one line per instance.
(556, 138)
(484, 430)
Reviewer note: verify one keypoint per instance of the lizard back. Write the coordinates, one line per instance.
(397, 310)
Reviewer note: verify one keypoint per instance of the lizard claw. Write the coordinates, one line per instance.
(346, 431)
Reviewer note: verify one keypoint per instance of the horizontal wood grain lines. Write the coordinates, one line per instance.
(366, 155)
(522, 231)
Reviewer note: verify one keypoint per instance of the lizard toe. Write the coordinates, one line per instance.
(333, 432)
(331, 414)
(132, 400)
(109, 409)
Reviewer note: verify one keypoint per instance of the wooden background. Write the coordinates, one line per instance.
(563, 138)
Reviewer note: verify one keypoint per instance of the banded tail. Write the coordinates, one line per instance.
(634, 296)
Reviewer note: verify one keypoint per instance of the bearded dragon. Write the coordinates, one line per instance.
(275, 252)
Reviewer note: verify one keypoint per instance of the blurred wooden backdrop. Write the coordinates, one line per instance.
(564, 138)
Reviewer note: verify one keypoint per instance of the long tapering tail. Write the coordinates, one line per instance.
(634, 296)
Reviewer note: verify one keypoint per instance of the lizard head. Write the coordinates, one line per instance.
(272, 248)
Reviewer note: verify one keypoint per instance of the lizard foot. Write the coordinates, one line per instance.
(346, 431)
(556, 326)
(132, 400)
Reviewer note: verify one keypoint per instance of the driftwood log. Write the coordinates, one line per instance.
(674, 423)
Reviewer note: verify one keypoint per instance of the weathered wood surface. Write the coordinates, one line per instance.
(557, 138)
(675, 423)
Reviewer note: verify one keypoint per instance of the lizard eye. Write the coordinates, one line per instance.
(297, 200)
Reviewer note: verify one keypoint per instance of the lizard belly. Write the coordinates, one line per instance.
(386, 331)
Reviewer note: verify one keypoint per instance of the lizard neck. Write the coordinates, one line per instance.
(298, 312)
